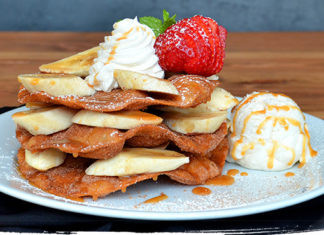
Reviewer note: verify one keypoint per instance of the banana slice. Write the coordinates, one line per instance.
(45, 160)
(44, 121)
(56, 84)
(220, 100)
(78, 64)
(195, 123)
(138, 81)
(119, 120)
(37, 105)
(162, 146)
(137, 161)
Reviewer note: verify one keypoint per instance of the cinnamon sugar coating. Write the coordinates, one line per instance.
(104, 143)
(193, 90)
(70, 181)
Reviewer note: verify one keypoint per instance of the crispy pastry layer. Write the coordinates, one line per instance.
(104, 143)
(69, 180)
(193, 90)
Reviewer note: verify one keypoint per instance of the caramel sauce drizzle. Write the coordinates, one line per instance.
(313, 153)
(157, 199)
(283, 121)
(244, 174)
(247, 147)
(233, 172)
(201, 191)
(240, 106)
(35, 81)
(289, 174)
(111, 56)
(222, 180)
(271, 154)
(124, 36)
(75, 154)
(240, 141)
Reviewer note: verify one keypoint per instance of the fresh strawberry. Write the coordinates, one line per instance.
(209, 38)
(195, 46)
(223, 35)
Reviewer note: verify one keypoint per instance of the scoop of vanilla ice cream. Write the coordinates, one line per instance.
(130, 47)
(269, 132)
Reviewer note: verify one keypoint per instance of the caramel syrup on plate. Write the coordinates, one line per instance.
(232, 172)
(289, 174)
(244, 174)
(157, 199)
(222, 180)
(201, 191)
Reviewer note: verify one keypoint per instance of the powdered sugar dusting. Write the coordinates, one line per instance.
(258, 188)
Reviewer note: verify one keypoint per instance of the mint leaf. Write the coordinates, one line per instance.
(154, 23)
(168, 22)
(165, 15)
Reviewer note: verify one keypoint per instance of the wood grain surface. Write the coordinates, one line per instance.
(289, 63)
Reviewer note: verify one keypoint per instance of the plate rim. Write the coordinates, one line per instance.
(158, 215)
(165, 216)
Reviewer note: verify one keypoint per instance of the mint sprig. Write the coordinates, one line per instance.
(156, 24)
(167, 20)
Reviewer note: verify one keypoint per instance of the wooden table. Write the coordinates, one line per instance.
(290, 63)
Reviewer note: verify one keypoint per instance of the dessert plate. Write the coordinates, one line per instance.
(255, 193)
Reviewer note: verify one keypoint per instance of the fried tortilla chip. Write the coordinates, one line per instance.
(104, 143)
(78, 64)
(193, 89)
(202, 168)
(70, 181)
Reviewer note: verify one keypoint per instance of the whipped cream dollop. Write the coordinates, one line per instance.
(130, 47)
(269, 132)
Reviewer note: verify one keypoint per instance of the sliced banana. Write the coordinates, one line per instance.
(213, 77)
(162, 146)
(138, 81)
(133, 161)
(37, 105)
(78, 64)
(220, 100)
(119, 120)
(195, 123)
(45, 121)
(56, 84)
(45, 160)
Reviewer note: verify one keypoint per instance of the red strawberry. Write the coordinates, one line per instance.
(223, 35)
(210, 39)
(195, 46)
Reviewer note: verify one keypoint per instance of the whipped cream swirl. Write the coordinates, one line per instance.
(130, 47)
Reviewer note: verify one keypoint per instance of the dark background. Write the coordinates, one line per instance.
(99, 15)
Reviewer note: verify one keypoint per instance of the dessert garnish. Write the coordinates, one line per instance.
(269, 133)
(130, 47)
(194, 46)
(159, 26)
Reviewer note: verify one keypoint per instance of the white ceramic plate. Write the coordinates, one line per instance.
(255, 193)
